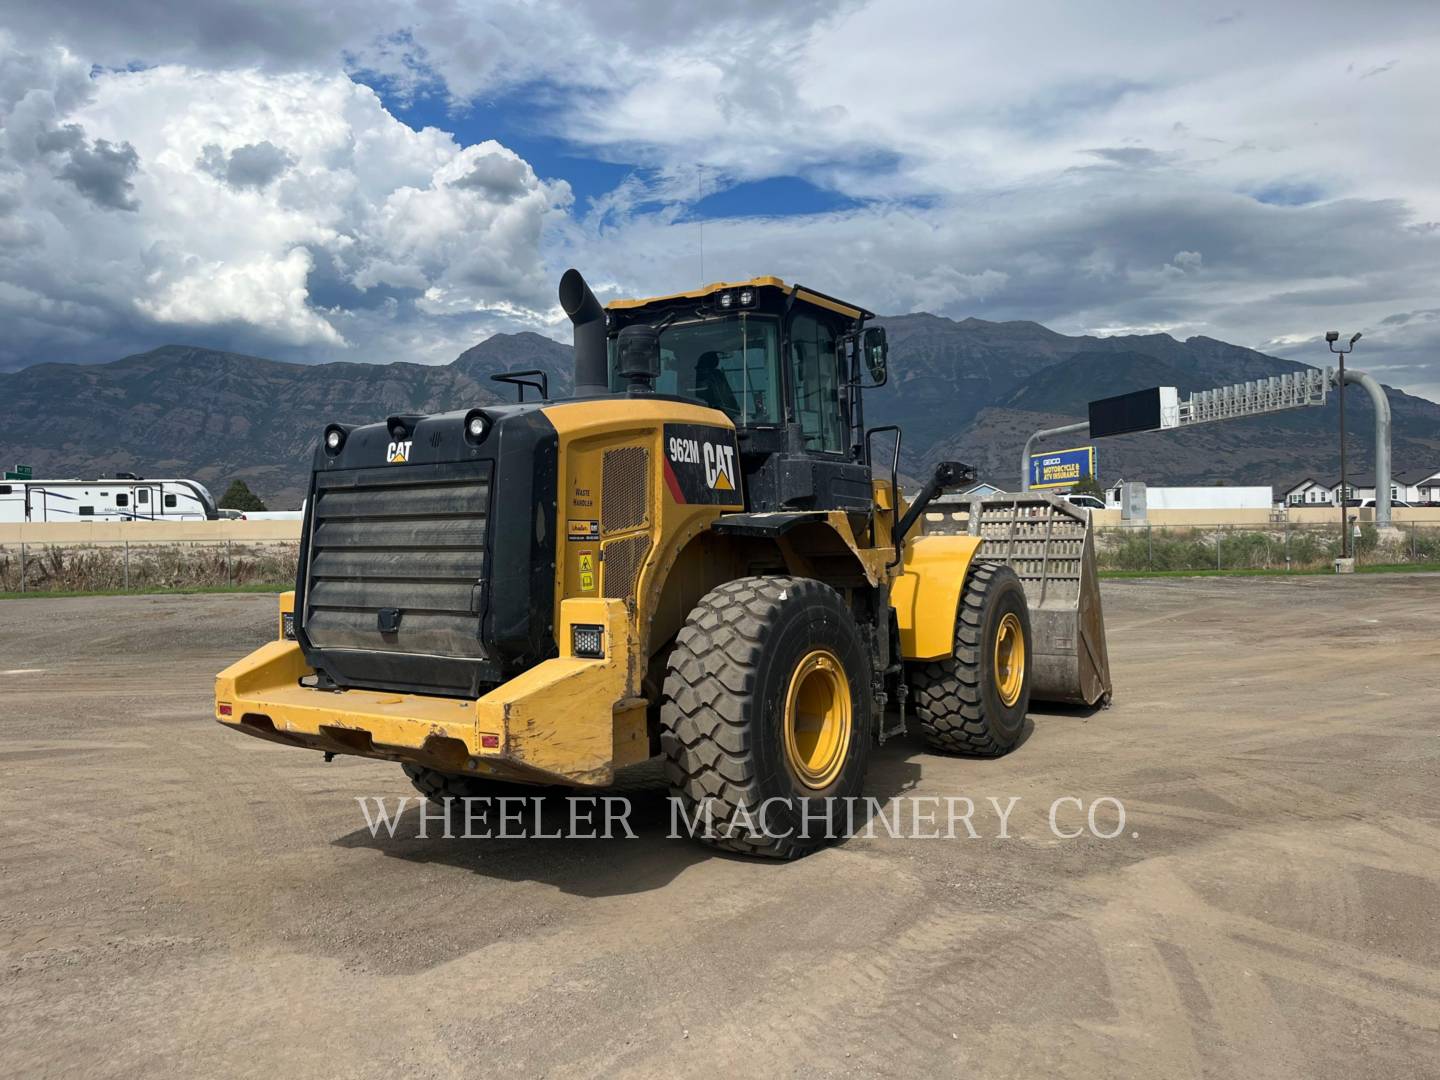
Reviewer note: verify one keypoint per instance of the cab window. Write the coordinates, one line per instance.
(815, 368)
(729, 363)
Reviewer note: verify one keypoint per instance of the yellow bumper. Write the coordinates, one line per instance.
(566, 720)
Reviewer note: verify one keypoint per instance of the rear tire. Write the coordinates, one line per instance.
(767, 705)
(438, 786)
(972, 702)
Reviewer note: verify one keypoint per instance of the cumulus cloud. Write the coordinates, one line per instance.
(253, 165)
(266, 211)
(1254, 176)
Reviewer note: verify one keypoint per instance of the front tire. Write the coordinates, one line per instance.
(974, 701)
(766, 715)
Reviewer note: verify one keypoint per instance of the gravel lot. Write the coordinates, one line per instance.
(178, 899)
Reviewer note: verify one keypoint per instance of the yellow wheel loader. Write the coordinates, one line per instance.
(691, 558)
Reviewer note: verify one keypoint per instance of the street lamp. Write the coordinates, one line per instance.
(1331, 337)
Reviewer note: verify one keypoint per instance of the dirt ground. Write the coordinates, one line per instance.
(177, 899)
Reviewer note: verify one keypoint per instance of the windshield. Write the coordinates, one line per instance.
(729, 363)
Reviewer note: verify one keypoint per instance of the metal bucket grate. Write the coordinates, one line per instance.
(1050, 546)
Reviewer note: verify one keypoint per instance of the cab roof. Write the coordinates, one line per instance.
(801, 293)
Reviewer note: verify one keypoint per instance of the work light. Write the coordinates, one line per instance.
(334, 439)
(477, 426)
(747, 297)
(587, 641)
(726, 300)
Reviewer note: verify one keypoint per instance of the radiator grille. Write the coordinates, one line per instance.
(625, 489)
(621, 563)
(404, 539)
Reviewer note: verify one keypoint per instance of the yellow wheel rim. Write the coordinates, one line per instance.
(817, 719)
(1009, 659)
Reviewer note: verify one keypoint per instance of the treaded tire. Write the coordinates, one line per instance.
(438, 786)
(956, 700)
(721, 718)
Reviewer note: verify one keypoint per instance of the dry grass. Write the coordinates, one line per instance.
(106, 567)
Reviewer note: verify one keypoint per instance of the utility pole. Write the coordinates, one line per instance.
(1331, 337)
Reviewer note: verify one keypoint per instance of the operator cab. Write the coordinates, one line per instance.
(784, 364)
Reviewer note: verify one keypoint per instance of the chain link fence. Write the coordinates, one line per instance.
(1277, 547)
(100, 566)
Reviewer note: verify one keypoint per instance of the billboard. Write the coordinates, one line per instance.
(1062, 468)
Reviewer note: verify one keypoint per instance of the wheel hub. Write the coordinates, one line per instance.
(817, 719)
(1009, 659)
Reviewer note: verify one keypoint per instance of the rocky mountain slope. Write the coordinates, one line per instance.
(970, 390)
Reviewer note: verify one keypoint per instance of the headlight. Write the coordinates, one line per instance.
(334, 439)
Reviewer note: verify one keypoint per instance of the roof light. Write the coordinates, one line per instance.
(726, 300)
(747, 297)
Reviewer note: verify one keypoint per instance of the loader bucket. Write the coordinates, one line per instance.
(1051, 547)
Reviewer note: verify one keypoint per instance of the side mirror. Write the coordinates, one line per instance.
(876, 351)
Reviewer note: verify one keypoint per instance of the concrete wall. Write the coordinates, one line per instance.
(148, 532)
(171, 532)
(1316, 515)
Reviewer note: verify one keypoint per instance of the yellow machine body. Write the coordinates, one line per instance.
(637, 543)
(629, 557)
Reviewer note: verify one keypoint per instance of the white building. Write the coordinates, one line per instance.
(1415, 488)
(1309, 492)
(1197, 498)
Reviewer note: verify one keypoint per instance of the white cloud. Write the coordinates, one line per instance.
(266, 291)
(1254, 178)
(243, 194)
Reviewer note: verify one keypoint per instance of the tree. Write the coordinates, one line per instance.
(238, 496)
(1088, 486)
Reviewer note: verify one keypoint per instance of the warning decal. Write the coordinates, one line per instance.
(702, 465)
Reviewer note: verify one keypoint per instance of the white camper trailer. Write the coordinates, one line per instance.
(120, 499)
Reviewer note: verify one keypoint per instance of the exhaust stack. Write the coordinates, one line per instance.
(592, 367)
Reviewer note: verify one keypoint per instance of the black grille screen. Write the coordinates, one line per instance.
(402, 539)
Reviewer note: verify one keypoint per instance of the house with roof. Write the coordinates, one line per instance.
(1427, 488)
(982, 490)
(1409, 486)
(1308, 492)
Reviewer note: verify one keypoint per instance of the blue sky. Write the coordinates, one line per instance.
(399, 179)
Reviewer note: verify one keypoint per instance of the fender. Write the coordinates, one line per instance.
(927, 595)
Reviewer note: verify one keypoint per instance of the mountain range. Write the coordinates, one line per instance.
(970, 390)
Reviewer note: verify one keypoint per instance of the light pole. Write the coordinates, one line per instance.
(1331, 337)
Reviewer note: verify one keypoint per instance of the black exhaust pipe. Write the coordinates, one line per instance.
(592, 365)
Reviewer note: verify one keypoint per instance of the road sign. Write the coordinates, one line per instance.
(1143, 410)
(20, 472)
(1062, 468)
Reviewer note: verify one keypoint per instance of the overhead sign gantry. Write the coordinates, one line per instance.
(1161, 408)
